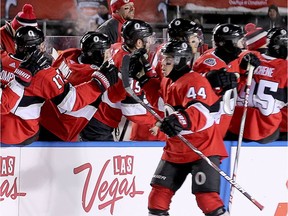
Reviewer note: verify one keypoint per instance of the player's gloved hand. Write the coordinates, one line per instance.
(106, 76)
(141, 54)
(36, 61)
(249, 58)
(222, 79)
(23, 76)
(175, 123)
(139, 66)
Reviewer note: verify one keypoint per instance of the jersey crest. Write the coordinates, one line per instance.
(210, 62)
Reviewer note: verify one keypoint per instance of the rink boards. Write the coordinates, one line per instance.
(112, 178)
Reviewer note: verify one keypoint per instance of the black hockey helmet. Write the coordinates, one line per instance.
(135, 29)
(28, 39)
(277, 42)
(93, 45)
(181, 52)
(227, 35)
(180, 28)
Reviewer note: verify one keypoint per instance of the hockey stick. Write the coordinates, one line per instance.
(126, 84)
(241, 130)
(123, 132)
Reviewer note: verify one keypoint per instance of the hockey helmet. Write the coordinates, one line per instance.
(181, 51)
(227, 35)
(93, 45)
(135, 29)
(180, 28)
(28, 39)
(277, 42)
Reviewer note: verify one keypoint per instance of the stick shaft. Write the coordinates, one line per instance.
(241, 132)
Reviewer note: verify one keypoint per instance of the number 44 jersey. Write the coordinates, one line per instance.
(267, 100)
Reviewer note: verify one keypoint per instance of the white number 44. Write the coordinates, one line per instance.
(193, 94)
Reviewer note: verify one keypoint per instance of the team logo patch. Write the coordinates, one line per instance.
(210, 62)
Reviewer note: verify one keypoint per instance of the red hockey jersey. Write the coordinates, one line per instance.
(116, 102)
(68, 125)
(268, 95)
(207, 62)
(193, 93)
(23, 120)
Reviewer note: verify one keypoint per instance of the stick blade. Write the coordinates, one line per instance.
(125, 71)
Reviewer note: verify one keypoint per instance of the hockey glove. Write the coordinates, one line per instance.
(222, 79)
(139, 66)
(175, 123)
(140, 54)
(106, 76)
(23, 76)
(36, 61)
(249, 58)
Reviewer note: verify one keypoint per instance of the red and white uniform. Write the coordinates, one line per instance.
(68, 125)
(268, 95)
(10, 96)
(116, 102)
(207, 62)
(140, 132)
(193, 93)
(22, 123)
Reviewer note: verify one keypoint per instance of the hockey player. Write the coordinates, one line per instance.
(181, 29)
(26, 17)
(77, 65)
(46, 83)
(115, 102)
(188, 99)
(225, 56)
(122, 10)
(268, 93)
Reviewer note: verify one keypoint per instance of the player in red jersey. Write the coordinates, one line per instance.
(76, 65)
(189, 101)
(178, 29)
(46, 83)
(225, 56)
(115, 102)
(268, 93)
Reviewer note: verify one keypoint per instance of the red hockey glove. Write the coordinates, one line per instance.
(106, 76)
(175, 123)
(23, 76)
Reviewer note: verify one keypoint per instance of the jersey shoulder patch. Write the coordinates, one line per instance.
(210, 61)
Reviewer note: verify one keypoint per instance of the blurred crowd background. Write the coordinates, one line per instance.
(72, 18)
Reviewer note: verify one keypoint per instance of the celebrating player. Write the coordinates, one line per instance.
(46, 83)
(189, 100)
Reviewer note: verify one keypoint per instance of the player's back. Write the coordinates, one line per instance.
(267, 97)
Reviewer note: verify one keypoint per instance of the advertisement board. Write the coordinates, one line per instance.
(112, 178)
